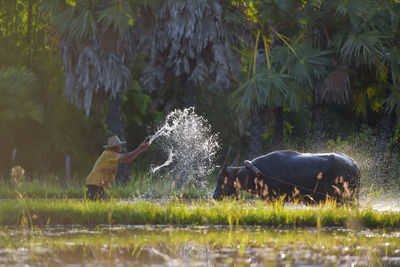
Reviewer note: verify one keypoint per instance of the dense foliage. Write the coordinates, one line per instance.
(265, 73)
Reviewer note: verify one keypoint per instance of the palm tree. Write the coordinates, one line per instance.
(16, 103)
(292, 64)
(351, 32)
(17, 106)
(287, 83)
(187, 43)
(366, 68)
(97, 40)
(367, 46)
(96, 44)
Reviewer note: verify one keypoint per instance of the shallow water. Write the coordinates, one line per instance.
(163, 245)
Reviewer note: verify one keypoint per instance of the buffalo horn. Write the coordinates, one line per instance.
(226, 160)
(236, 161)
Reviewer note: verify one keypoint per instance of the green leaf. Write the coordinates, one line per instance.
(392, 58)
(365, 47)
(118, 14)
(266, 87)
(306, 65)
(393, 100)
(16, 103)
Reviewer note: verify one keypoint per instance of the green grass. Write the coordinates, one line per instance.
(141, 185)
(39, 212)
(40, 190)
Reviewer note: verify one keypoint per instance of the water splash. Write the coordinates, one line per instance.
(166, 163)
(380, 183)
(383, 200)
(386, 204)
(191, 146)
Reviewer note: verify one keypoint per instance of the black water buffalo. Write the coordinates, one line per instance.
(304, 176)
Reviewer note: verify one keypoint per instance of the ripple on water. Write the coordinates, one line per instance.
(171, 245)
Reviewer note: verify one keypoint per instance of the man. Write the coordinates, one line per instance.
(106, 166)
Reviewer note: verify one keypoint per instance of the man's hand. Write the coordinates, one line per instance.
(126, 158)
(144, 145)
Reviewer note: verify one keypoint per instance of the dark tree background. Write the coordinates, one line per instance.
(267, 75)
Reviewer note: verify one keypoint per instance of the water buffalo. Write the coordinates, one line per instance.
(292, 175)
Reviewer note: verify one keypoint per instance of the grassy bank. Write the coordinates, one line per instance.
(138, 186)
(28, 212)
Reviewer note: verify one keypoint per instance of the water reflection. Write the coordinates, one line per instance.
(165, 245)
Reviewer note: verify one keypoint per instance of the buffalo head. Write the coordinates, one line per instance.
(226, 178)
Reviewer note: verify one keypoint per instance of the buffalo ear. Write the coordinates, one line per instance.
(236, 161)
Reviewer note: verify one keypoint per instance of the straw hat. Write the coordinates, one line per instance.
(114, 141)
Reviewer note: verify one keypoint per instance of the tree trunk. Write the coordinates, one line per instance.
(255, 145)
(279, 128)
(189, 92)
(115, 126)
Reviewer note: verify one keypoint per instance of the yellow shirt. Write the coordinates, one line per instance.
(104, 170)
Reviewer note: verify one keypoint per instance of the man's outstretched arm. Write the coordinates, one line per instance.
(127, 158)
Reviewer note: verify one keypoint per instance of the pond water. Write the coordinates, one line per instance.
(165, 245)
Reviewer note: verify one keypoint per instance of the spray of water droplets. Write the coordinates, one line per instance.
(191, 146)
(379, 183)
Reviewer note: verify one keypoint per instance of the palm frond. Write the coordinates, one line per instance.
(17, 99)
(392, 102)
(83, 25)
(310, 65)
(285, 5)
(308, 18)
(391, 58)
(62, 20)
(92, 71)
(73, 21)
(298, 97)
(188, 40)
(307, 65)
(363, 47)
(360, 99)
(94, 54)
(283, 38)
(357, 11)
(266, 87)
(119, 14)
(335, 88)
(49, 7)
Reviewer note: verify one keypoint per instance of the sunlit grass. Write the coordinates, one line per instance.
(41, 190)
(140, 185)
(28, 212)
